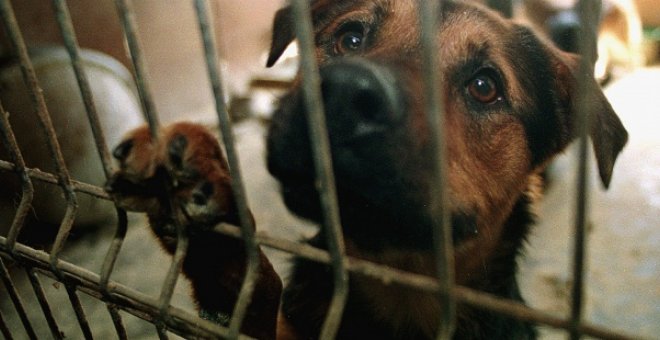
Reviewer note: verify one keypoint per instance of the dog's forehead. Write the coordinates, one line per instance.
(463, 25)
(464, 28)
(467, 32)
(326, 12)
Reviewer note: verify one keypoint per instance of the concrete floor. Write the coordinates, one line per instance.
(623, 249)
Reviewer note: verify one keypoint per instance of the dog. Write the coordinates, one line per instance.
(509, 98)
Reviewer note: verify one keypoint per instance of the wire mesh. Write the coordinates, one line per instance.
(159, 311)
(45, 306)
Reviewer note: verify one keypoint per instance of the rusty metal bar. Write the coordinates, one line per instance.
(318, 135)
(588, 13)
(429, 12)
(145, 307)
(161, 331)
(173, 273)
(392, 276)
(78, 310)
(30, 78)
(71, 43)
(4, 330)
(113, 250)
(126, 298)
(43, 302)
(505, 7)
(16, 300)
(522, 312)
(127, 16)
(247, 223)
(9, 140)
(46, 177)
(117, 320)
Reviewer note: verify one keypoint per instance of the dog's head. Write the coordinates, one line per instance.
(508, 96)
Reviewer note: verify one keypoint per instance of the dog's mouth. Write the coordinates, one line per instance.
(370, 223)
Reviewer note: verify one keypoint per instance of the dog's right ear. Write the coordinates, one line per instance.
(283, 35)
(607, 133)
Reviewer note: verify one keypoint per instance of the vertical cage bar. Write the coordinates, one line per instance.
(177, 263)
(63, 17)
(16, 300)
(127, 17)
(43, 302)
(430, 13)
(113, 250)
(9, 140)
(588, 12)
(71, 43)
(30, 78)
(247, 224)
(161, 331)
(117, 321)
(322, 164)
(4, 330)
(505, 7)
(79, 311)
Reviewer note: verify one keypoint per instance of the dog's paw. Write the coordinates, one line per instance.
(136, 186)
(184, 167)
(199, 174)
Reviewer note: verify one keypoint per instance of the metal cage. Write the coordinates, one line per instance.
(166, 318)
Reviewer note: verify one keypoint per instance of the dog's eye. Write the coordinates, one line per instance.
(350, 38)
(484, 88)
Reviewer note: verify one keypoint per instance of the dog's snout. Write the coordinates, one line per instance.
(360, 98)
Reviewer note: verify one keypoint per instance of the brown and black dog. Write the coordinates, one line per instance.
(508, 110)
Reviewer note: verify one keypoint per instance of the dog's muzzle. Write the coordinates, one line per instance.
(360, 99)
(378, 183)
(362, 105)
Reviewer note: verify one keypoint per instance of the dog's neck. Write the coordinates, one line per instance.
(407, 311)
(498, 277)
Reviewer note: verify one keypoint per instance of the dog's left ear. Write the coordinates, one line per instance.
(607, 133)
(283, 35)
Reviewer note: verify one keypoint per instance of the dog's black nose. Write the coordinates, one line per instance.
(360, 99)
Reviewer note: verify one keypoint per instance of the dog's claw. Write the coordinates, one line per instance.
(203, 193)
(176, 149)
(121, 151)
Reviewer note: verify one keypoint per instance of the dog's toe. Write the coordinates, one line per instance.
(121, 151)
(201, 205)
(202, 193)
(198, 173)
(133, 185)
